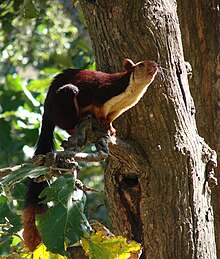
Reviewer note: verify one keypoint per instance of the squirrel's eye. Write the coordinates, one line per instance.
(141, 65)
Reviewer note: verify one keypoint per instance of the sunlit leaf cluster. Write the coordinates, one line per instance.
(37, 40)
(65, 218)
(64, 223)
(50, 38)
(99, 246)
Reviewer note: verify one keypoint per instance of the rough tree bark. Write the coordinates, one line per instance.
(156, 179)
(201, 42)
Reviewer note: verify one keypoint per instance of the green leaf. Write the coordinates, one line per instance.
(21, 172)
(39, 84)
(41, 27)
(18, 193)
(10, 222)
(98, 246)
(65, 219)
(50, 71)
(29, 10)
(6, 7)
(14, 83)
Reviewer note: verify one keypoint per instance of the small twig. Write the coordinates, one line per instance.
(59, 169)
(83, 187)
(5, 171)
(9, 170)
(96, 157)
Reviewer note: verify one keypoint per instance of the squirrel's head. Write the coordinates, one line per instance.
(142, 72)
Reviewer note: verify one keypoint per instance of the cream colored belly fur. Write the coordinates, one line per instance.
(121, 103)
(114, 107)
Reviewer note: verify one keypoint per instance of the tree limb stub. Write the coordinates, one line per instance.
(87, 131)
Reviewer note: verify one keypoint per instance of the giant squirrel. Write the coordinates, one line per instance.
(72, 94)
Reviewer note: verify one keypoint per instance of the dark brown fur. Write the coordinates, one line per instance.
(89, 87)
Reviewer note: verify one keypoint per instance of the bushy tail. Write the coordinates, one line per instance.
(32, 207)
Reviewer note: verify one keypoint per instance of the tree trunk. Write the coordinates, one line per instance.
(201, 42)
(156, 178)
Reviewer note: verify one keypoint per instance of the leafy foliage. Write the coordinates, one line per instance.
(10, 224)
(42, 252)
(65, 218)
(37, 40)
(21, 172)
(33, 51)
(99, 246)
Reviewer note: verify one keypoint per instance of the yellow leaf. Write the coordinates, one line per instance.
(85, 245)
(42, 253)
(98, 246)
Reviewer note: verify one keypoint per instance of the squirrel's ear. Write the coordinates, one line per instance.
(128, 65)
